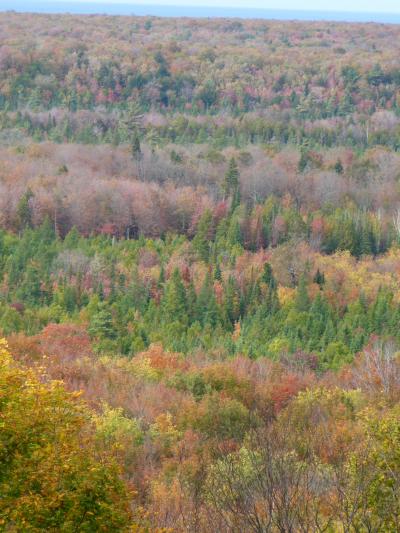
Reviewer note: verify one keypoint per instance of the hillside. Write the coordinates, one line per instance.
(200, 232)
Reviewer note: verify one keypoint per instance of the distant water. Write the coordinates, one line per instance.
(190, 11)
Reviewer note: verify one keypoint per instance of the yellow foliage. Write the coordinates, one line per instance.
(286, 295)
(53, 475)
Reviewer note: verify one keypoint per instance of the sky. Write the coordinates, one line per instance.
(383, 6)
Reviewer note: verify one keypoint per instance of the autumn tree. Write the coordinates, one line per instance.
(53, 477)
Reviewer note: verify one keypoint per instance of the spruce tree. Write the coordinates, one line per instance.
(217, 272)
(302, 297)
(207, 307)
(101, 323)
(231, 307)
(319, 278)
(268, 276)
(24, 210)
(231, 181)
(191, 298)
(136, 151)
(339, 167)
(234, 234)
(303, 162)
(202, 239)
(174, 302)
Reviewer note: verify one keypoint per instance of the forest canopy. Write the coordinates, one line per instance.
(199, 275)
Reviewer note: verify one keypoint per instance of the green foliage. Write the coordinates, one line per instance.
(377, 466)
(201, 241)
(231, 184)
(24, 210)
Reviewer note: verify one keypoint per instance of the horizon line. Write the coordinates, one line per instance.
(172, 4)
(171, 10)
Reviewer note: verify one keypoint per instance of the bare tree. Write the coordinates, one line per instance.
(266, 487)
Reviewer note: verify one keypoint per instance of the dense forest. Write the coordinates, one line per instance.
(199, 275)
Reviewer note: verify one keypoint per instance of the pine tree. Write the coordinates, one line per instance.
(207, 307)
(135, 147)
(136, 151)
(231, 307)
(380, 311)
(235, 199)
(319, 278)
(365, 241)
(46, 233)
(302, 298)
(24, 210)
(217, 272)
(191, 299)
(30, 290)
(303, 162)
(339, 167)
(101, 323)
(272, 300)
(231, 181)
(161, 277)
(71, 240)
(174, 302)
(316, 324)
(220, 235)
(202, 239)
(234, 234)
(268, 276)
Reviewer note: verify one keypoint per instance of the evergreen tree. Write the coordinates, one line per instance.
(339, 167)
(207, 307)
(319, 278)
(46, 233)
(202, 239)
(71, 240)
(268, 276)
(217, 273)
(161, 277)
(136, 151)
(101, 323)
(303, 162)
(30, 290)
(231, 181)
(365, 241)
(174, 304)
(24, 210)
(191, 302)
(231, 307)
(302, 297)
(234, 234)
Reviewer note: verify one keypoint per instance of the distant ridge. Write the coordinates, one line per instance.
(192, 11)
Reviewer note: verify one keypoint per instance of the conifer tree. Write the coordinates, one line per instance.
(231, 307)
(202, 239)
(234, 234)
(231, 185)
(101, 323)
(161, 277)
(339, 167)
(174, 303)
(319, 278)
(191, 298)
(268, 276)
(217, 272)
(303, 162)
(207, 307)
(136, 151)
(24, 210)
(302, 297)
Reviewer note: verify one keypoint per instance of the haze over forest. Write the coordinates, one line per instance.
(183, 9)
